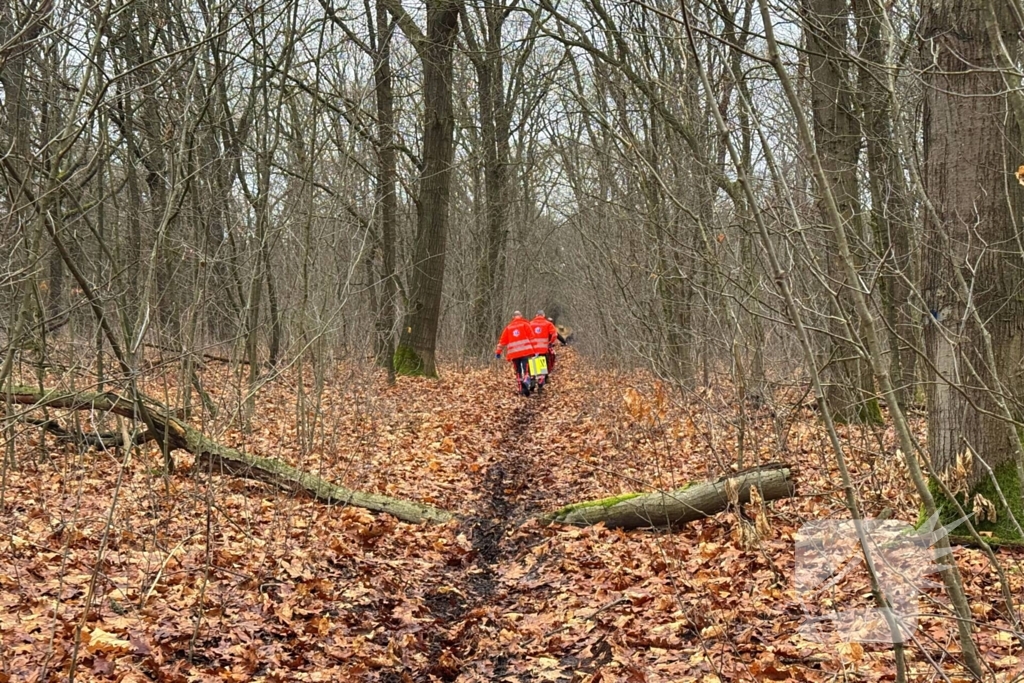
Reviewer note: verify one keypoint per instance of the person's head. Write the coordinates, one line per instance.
(540, 314)
(517, 314)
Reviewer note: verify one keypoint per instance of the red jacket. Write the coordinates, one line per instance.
(517, 339)
(544, 334)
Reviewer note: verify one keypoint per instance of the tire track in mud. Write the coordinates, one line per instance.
(470, 588)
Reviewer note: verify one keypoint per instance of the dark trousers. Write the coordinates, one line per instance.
(522, 366)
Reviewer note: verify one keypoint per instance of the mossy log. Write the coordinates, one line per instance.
(675, 508)
(220, 458)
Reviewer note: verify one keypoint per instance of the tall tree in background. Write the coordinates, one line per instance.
(495, 119)
(972, 260)
(891, 211)
(20, 28)
(417, 346)
(838, 139)
(387, 179)
(149, 129)
(381, 258)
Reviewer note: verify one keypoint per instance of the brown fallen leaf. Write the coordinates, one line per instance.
(98, 640)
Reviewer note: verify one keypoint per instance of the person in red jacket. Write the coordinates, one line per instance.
(519, 345)
(545, 334)
(540, 327)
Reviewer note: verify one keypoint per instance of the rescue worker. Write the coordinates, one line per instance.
(518, 343)
(541, 335)
(545, 333)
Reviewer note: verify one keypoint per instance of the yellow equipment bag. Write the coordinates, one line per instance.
(538, 366)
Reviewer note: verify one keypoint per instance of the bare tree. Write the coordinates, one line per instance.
(892, 216)
(417, 347)
(500, 89)
(838, 138)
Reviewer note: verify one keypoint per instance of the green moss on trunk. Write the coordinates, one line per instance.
(870, 413)
(674, 508)
(1003, 530)
(601, 503)
(408, 362)
(218, 457)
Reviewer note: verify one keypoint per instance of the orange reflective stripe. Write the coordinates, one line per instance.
(520, 345)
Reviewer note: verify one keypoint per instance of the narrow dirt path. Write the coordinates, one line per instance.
(503, 592)
(469, 596)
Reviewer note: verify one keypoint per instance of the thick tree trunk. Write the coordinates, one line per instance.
(837, 136)
(675, 508)
(675, 341)
(417, 346)
(972, 278)
(220, 458)
(159, 133)
(147, 132)
(19, 31)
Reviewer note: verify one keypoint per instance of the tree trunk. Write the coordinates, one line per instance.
(387, 199)
(19, 32)
(751, 325)
(675, 508)
(890, 201)
(417, 346)
(274, 310)
(972, 278)
(837, 136)
(494, 128)
(219, 458)
(159, 132)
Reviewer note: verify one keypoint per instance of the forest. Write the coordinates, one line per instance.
(257, 256)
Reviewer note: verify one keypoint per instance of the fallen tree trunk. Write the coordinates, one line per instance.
(205, 356)
(96, 439)
(675, 508)
(219, 458)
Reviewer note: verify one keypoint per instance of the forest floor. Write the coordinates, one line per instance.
(113, 570)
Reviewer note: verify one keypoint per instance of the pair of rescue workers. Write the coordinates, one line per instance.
(530, 346)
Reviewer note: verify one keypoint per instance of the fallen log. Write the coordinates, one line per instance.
(675, 508)
(102, 440)
(205, 356)
(219, 458)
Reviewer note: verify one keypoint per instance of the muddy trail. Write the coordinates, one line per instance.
(501, 582)
(469, 591)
